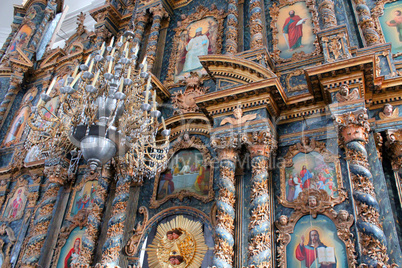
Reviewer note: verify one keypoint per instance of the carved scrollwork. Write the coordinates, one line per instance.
(132, 245)
(298, 87)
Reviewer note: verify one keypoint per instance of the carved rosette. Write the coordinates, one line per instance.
(354, 129)
(224, 230)
(256, 25)
(95, 215)
(259, 249)
(111, 250)
(158, 13)
(56, 175)
(231, 29)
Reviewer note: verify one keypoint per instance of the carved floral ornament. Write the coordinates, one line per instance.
(186, 143)
(274, 13)
(315, 181)
(353, 126)
(314, 203)
(201, 13)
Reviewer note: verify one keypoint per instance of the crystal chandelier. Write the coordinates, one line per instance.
(107, 109)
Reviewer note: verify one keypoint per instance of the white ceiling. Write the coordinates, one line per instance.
(68, 25)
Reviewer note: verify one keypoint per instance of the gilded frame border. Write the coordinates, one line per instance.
(201, 13)
(190, 143)
(343, 221)
(307, 146)
(274, 13)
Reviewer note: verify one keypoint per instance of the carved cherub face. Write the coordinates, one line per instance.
(312, 201)
(238, 113)
(344, 90)
(343, 215)
(388, 109)
(283, 220)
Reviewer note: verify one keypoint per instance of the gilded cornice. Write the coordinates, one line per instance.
(162, 93)
(222, 66)
(266, 92)
(192, 123)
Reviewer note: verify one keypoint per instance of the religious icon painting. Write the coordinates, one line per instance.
(83, 197)
(17, 127)
(315, 243)
(197, 39)
(391, 25)
(294, 25)
(187, 174)
(198, 34)
(21, 38)
(30, 95)
(177, 243)
(15, 207)
(70, 252)
(309, 165)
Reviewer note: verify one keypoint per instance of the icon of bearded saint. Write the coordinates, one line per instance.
(178, 243)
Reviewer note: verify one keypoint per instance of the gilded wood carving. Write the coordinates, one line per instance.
(189, 162)
(17, 201)
(309, 165)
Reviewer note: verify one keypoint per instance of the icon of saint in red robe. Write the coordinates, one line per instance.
(293, 31)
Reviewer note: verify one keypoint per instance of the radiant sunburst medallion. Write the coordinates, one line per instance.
(178, 243)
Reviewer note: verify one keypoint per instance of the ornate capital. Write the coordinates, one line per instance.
(259, 142)
(57, 174)
(353, 126)
(158, 11)
(394, 147)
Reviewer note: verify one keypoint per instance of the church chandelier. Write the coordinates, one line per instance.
(107, 109)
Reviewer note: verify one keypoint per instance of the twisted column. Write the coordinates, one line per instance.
(111, 250)
(95, 216)
(256, 25)
(326, 10)
(224, 231)
(140, 22)
(366, 23)
(232, 28)
(57, 175)
(354, 129)
(158, 13)
(12, 91)
(259, 249)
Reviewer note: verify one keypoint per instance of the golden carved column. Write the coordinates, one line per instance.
(232, 27)
(158, 12)
(259, 248)
(224, 230)
(90, 237)
(366, 23)
(141, 20)
(57, 176)
(256, 24)
(394, 148)
(353, 130)
(326, 10)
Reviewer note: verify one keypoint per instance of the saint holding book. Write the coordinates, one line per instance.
(315, 253)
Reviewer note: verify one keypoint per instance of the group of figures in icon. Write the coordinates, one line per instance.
(310, 172)
(185, 172)
(297, 182)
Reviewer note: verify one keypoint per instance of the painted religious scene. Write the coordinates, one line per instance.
(295, 30)
(391, 24)
(310, 171)
(198, 39)
(18, 126)
(84, 197)
(314, 243)
(21, 38)
(185, 171)
(71, 250)
(16, 205)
